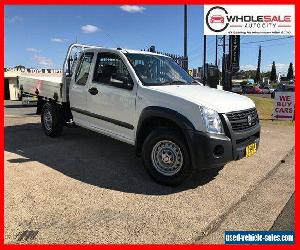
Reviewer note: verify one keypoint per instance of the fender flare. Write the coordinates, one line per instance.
(180, 120)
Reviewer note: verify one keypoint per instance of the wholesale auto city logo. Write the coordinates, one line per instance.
(249, 20)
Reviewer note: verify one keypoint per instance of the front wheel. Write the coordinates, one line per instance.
(166, 157)
(52, 119)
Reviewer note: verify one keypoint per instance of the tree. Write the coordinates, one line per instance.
(290, 74)
(273, 75)
(266, 74)
(257, 75)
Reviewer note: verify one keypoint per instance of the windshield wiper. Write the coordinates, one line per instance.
(194, 81)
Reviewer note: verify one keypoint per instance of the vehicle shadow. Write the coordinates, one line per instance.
(91, 158)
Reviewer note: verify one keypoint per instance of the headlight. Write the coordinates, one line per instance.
(211, 120)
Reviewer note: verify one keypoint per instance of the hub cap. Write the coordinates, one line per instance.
(48, 119)
(167, 158)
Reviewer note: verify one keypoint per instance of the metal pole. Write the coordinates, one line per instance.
(223, 63)
(185, 38)
(216, 63)
(204, 60)
(185, 30)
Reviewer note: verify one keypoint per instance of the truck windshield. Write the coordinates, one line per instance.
(159, 70)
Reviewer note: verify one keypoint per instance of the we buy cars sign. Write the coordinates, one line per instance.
(284, 106)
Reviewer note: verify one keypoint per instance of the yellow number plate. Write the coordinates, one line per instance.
(250, 149)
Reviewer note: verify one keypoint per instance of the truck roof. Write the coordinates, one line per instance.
(124, 51)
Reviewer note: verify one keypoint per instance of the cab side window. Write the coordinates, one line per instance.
(111, 70)
(83, 69)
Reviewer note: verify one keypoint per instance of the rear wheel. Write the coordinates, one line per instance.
(165, 156)
(52, 119)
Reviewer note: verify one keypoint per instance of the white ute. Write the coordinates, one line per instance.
(147, 100)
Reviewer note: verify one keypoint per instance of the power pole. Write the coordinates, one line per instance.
(223, 63)
(204, 60)
(185, 37)
(216, 63)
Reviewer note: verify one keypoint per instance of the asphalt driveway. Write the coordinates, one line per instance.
(87, 188)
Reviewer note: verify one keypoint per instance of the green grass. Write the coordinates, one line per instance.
(264, 108)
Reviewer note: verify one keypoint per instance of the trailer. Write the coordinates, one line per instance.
(46, 87)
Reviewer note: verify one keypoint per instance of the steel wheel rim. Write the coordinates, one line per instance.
(48, 119)
(167, 157)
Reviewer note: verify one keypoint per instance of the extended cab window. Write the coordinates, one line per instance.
(83, 69)
(111, 70)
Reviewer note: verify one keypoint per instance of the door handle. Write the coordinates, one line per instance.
(93, 91)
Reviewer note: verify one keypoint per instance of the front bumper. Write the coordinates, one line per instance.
(213, 150)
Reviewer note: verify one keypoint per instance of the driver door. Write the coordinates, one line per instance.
(111, 98)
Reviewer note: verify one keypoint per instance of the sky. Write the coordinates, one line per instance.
(37, 36)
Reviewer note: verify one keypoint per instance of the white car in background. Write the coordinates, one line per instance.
(237, 88)
(267, 90)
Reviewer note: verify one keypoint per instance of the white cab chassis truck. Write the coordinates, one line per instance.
(147, 100)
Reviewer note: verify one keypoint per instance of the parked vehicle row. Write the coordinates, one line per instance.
(283, 88)
(251, 89)
(267, 90)
(237, 88)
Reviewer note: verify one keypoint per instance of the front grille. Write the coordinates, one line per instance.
(239, 120)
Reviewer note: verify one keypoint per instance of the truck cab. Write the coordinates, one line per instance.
(147, 100)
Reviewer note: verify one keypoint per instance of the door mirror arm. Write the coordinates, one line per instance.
(124, 83)
(128, 83)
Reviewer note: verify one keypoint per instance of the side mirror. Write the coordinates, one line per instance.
(128, 83)
(123, 82)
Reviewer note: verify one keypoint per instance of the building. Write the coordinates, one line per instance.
(196, 72)
(11, 86)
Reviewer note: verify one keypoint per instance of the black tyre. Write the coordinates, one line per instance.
(52, 119)
(166, 157)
